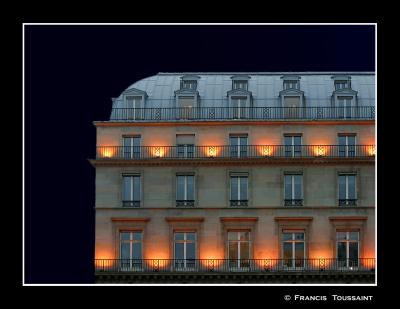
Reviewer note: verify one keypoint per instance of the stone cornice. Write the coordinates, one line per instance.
(238, 219)
(293, 218)
(130, 219)
(184, 219)
(349, 218)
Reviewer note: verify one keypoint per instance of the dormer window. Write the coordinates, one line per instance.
(240, 84)
(342, 84)
(290, 84)
(189, 84)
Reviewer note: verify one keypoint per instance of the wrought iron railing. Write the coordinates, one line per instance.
(184, 203)
(235, 152)
(131, 203)
(245, 113)
(235, 265)
(235, 203)
(347, 202)
(293, 202)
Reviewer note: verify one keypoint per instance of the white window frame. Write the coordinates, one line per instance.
(131, 241)
(295, 82)
(347, 144)
(235, 83)
(341, 82)
(239, 190)
(132, 110)
(238, 242)
(191, 82)
(347, 185)
(292, 193)
(348, 241)
(132, 187)
(292, 144)
(131, 147)
(185, 241)
(238, 137)
(293, 241)
(185, 186)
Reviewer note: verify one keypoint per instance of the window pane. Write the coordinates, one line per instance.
(299, 236)
(179, 251)
(297, 140)
(244, 250)
(190, 250)
(353, 251)
(287, 250)
(137, 236)
(137, 250)
(233, 250)
(136, 188)
(244, 236)
(191, 236)
(351, 186)
(288, 187)
(186, 101)
(342, 140)
(341, 235)
(125, 235)
(179, 236)
(288, 140)
(299, 252)
(127, 194)
(341, 251)
(297, 186)
(232, 236)
(287, 236)
(353, 235)
(233, 141)
(180, 188)
(342, 187)
(243, 188)
(125, 251)
(234, 188)
(136, 141)
(190, 187)
(351, 140)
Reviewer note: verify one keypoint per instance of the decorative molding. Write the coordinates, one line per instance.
(184, 219)
(130, 219)
(238, 219)
(240, 77)
(292, 219)
(134, 91)
(350, 218)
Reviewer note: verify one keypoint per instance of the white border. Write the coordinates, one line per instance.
(180, 24)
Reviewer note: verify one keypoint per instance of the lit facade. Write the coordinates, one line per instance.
(238, 177)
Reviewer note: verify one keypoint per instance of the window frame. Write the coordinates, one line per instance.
(347, 241)
(347, 200)
(347, 145)
(238, 242)
(292, 193)
(185, 241)
(238, 145)
(132, 153)
(293, 145)
(185, 201)
(293, 242)
(132, 264)
(133, 202)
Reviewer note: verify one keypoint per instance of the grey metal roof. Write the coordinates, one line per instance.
(265, 87)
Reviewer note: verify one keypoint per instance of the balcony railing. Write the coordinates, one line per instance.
(348, 202)
(235, 152)
(293, 202)
(245, 113)
(235, 203)
(235, 265)
(184, 203)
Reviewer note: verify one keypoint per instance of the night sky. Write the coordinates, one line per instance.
(71, 74)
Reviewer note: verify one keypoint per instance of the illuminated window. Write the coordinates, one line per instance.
(184, 249)
(347, 248)
(130, 250)
(238, 145)
(292, 145)
(131, 147)
(239, 188)
(131, 191)
(293, 188)
(347, 145)
(239, 249)
(293, 248)
(185, 190)
(347, 190)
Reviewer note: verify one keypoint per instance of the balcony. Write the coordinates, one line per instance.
(262, 152)
(242, 113)
(234, 265)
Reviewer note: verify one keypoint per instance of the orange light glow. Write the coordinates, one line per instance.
(266, 150)
(107, 152)
(104, 259)
(320, 150)
(158, 151)
(212, 151)
(371, 150)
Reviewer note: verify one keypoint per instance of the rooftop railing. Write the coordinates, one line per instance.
(234, 152)
(235, 265)
(242, 113)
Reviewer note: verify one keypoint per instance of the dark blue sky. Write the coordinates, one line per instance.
(71, 73)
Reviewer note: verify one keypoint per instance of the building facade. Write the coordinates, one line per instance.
(238, 177)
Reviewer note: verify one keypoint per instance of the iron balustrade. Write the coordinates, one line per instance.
(235, 203)
(246, 113)
(347, 202)
(235, 152)
(186, 203)
(131, 203)
(293, 202)
(235, 265)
